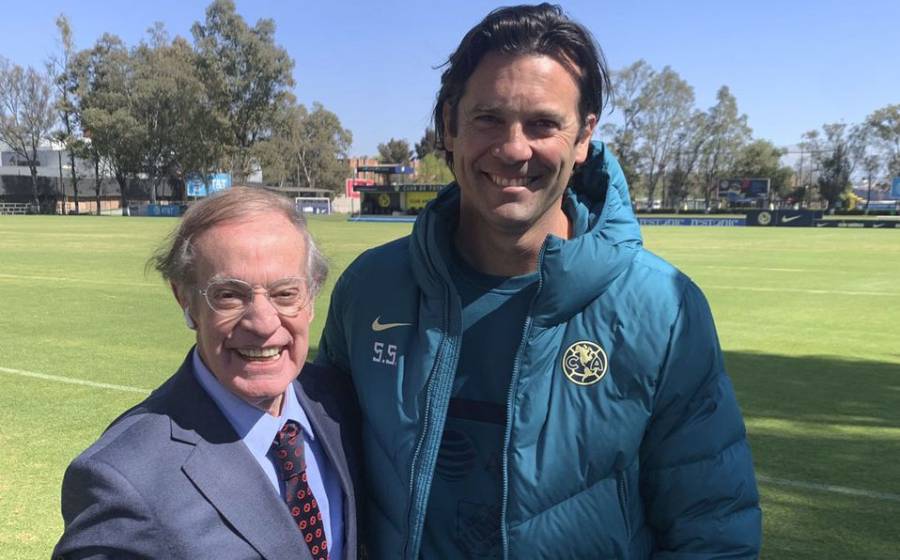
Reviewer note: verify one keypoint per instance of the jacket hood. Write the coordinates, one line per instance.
(605, 239)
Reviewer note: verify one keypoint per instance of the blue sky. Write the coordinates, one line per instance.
(792, 65)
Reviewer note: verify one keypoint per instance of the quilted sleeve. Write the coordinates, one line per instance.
(697, 476)
(333, 344)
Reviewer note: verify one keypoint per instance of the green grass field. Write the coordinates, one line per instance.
(809, 320)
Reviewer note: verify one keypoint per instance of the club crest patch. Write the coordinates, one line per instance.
(585, 363)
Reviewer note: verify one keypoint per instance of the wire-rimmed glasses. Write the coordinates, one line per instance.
(232, 298)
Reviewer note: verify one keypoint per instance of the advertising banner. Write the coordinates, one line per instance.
(215, 182)
(720, 222)
(743, 190)
(783, 218)
(873, 224)
(418, 200)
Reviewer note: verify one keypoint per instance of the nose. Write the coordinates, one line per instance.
(515, 146)
(261, 316)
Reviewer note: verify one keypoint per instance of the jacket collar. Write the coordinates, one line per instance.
(239, 490)
(606, 237)
(220, 464)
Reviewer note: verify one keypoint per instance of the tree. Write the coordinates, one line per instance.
(727, 131)
(105, 76)
(307, 148)
(433, 169)
(427, 145)
(762, 159)
(689, 144)
(871, 166)
(247, 76)
(885, 126)
(630, 96)
(837, 155)
(182, 132)
(320, 149)
(668, 104)
(27, 114)
(395, 151)
(65, 84)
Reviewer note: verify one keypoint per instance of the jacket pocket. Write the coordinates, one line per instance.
(622, 489)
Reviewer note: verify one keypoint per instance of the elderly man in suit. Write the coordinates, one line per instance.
(235, 456)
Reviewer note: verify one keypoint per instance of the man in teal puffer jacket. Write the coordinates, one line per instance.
(533, 383)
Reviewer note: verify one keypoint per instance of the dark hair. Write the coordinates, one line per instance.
(522, 30)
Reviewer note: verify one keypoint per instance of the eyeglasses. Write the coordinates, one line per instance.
(232, 297)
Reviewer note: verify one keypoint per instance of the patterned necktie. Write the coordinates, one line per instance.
(288, 448)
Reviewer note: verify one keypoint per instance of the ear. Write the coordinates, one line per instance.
(180, 295)
(185, 302)
(448, 137)
(584, 141)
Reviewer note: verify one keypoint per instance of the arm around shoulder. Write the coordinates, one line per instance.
(697, 476)
(105, 516)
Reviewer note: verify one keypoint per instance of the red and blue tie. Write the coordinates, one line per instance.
(288, 449)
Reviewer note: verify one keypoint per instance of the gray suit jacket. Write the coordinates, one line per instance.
(171, 479)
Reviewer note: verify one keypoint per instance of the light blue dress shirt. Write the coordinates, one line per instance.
(257, 430)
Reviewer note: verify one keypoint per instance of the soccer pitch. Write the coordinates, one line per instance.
(809, 320)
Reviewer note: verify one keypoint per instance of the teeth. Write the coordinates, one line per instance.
(260, 353)
(510, 181)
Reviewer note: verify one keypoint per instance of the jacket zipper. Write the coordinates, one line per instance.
(513, 386)
(437, 396)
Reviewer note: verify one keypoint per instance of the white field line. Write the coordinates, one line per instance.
(70, 380)
(756, 268)
(81, 280)
(802, 291)
(855, 492)
(885, 496)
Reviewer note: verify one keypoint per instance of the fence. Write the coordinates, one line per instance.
(15, 208)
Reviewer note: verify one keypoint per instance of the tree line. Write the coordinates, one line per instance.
(169, 108)
(671, 151)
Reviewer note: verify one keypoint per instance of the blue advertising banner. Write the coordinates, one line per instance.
(788, 218)
(874, 224)
(721, 222)
(895, 188)
(215, 182)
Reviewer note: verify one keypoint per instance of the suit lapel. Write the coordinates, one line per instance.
(245, 497)
(227, 475)
(321, 406)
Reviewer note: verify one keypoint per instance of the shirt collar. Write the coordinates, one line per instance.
(256, 428)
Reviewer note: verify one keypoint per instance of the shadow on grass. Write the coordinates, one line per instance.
(823, 420)
(817, 388)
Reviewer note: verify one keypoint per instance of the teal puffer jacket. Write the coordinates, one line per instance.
(623, 436)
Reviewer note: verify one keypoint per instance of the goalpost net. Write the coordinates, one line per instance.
(313, 204)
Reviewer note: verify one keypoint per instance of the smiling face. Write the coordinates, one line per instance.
(255, 356)
(517, 140)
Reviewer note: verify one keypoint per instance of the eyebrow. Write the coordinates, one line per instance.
(484, 108)
(533, 114)
(219, 277)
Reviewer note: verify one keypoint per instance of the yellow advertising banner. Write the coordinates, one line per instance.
(418, 200)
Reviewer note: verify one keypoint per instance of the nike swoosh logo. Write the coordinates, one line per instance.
(787, 220)
(378, 326)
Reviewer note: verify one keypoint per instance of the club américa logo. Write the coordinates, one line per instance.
(585, 363)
